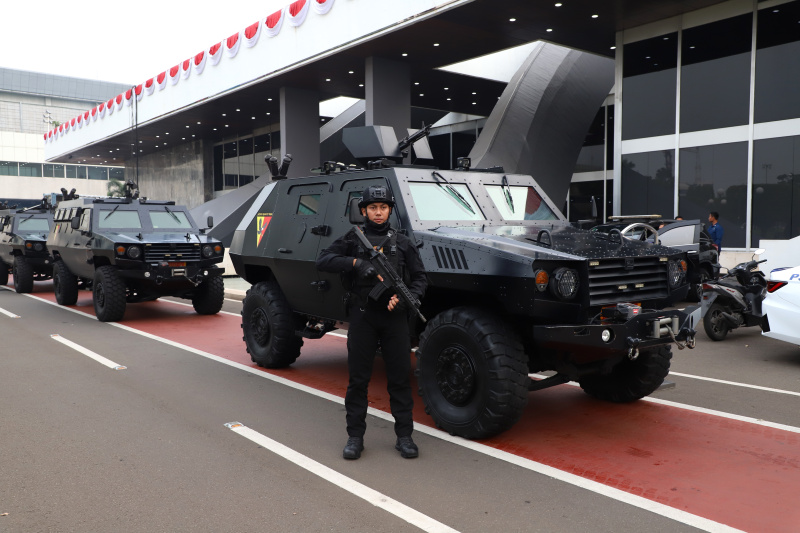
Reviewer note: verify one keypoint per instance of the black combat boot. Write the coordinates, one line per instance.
(353, 448)
(406, 447)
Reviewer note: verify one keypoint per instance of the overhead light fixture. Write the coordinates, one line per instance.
(269, 99)
(595, 16)
(405, 55)
(449, 99)
(252, 118)
(549, 29)
(447, 88)
(327, 79)
(198, 122)
(224, 115)
(422, 94)
(238, 110)
(416, 83)
(613, 47)
(512, 20)
(435, 44)
(360, 84)
(559, 4)
(350, 72)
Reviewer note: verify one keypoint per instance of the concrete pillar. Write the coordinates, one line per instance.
(300, 129)
(388, 94)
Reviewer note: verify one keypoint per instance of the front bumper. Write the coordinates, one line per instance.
(163, 273)
(586, 344)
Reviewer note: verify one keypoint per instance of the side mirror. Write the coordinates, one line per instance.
(75, 223)
(355, 212)
(210, 222)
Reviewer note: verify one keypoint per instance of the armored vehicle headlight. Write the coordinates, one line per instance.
(208, 250)
(564, 283)
(677, 272)
(542, 279)
(218, 249)
(607, 335)
(38, 246)
(134, 252)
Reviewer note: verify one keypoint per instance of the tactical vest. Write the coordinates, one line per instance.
(360, 288)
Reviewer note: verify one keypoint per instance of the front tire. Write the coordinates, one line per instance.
(23, 275)
(108, 294)
(268, 326)
(3, 273)
(472, 373)
(631, 380)
(715, 324)
(65, 284)
(209, 296)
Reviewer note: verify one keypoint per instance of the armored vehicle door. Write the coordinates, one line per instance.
(75, 244)
(293, 241)
(333, 287)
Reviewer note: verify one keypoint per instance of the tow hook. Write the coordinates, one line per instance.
(690, 342)
(633, 348)
(193, 282)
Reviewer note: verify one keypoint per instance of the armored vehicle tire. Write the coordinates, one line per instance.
(65, 284)
(3, 273)
(23, 275)
(715, 324)
(268, 324)
(631, 380)
(696, 290)
(208, 296)
(108, 291)
(472, 373)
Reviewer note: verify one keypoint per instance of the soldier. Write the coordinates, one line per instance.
(373, 322)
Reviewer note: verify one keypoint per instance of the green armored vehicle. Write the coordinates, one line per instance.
(23, 250)
(133, 250)
(514, 289)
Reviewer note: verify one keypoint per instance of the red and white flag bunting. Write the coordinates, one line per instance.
(110, 106)
(274, 22)
(139, 92)
(174, 74)
(200, 62)
(118, 101)
(149, 87)
(251, 34)
(297, 12)
(186, 68)
(321, 7)
(215, 53)
(128, 97)
(101, 110)
(161, 79)
(232, 44)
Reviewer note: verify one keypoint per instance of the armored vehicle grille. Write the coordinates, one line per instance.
(172, 251)
(627, 280)
(450, 258)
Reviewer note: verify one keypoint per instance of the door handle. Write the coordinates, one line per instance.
(323, 230)
(284, 251)
(321, 286)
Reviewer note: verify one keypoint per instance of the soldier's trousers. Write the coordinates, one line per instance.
(367, 328)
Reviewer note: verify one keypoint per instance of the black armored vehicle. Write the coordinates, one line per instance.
(133, 250)
(514, 289)
(23, 250)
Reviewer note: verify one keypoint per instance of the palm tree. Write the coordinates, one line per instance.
(116, 188)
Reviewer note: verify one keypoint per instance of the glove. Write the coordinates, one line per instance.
(364, 269)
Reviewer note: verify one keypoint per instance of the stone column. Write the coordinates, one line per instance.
(300, 129)
(388, 94)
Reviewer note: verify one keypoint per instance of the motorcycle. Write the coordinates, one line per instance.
(734, 300)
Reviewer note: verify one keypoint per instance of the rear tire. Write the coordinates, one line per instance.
(65, 284)
(3, 273)
(23, 275)
(696, 290)
(268, 324)
(631, 380)
(108, 294)
(472, 373)
(209, 295)
(715, 324)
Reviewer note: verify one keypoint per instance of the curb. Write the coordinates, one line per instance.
(234, 294)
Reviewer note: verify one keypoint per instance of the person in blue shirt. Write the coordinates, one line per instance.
(715, 231)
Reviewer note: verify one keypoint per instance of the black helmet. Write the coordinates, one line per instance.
(376, 194)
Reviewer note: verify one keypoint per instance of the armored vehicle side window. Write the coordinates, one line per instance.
(33, 224)
(519, 203)
(169, 219)
(308, 204)
(86, 220)
(444, 202)
(116, 218)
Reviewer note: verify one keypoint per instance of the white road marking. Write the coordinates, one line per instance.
(404, 512)
(85, 351)
(592, 486)
(735, 384)
(8, 313)
(190, 305)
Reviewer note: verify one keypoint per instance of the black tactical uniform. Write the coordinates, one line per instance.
(372, 323)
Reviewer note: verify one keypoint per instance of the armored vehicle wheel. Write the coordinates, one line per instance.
(3, 273)
(631, 380)
(268, 326)
(208, 296)
(65, 284)
(23, 275)
(109, 294)
(715, 324)
(472, 373)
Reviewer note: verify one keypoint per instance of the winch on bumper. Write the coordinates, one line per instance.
(621, 334)
(165, 272)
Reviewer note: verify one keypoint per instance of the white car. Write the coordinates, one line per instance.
(782, 305)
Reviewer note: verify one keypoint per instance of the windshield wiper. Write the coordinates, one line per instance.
(111, 213)
(173, 215)
(454, 193)
(507, 193)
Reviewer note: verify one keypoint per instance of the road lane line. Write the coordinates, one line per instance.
(402, 511)
(8, 313)
(735, 384)
(88, 353)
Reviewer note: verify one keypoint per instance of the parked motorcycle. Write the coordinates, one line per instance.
(734, 300)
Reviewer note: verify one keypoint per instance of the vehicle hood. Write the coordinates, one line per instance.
(157, 237)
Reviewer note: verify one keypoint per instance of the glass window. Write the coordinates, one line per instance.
(116, 174)
(438, 202)
(230, 165)
(169, 219)
(519, 203)
(648, 183)
(219, 176)
(440, 147)
(591, 156)
(581, 195)
(116, 218)
(261, 149)
(777, 68)
(76, 171)
(33, 170)
(9, 168)
(53, 171)
(610, 139)
(776, 189)
(715, 74)
(649, 85)
(98, 173)
(308, 204)
(714, 178)
(33, 224)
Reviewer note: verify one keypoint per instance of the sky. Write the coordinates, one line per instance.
(123, 42)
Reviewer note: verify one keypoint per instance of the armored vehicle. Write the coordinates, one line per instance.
(133, 250)
(514, 289)
(23, 251)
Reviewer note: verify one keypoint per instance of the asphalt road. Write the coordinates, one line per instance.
(86, 448)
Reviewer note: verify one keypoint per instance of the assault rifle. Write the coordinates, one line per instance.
(387, 274)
